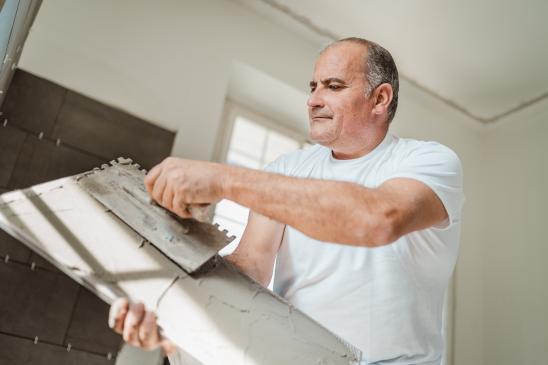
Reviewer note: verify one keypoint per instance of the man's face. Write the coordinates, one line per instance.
(338, 107)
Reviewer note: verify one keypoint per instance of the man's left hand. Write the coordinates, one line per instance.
(177, 184)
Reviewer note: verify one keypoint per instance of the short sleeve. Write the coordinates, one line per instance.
(438, 167)
(276, 166)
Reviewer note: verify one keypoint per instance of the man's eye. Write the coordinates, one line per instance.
(334, 87)
(312, 89)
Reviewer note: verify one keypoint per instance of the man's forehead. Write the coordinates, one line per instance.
(340, 61)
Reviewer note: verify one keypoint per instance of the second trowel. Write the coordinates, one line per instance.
(120, 188)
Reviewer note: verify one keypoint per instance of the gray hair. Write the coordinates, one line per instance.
(380, 69)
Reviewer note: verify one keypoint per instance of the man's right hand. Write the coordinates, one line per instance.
(137, 326)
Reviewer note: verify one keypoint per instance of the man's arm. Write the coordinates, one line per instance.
(258, 247)
(331, 211)
(336, 211)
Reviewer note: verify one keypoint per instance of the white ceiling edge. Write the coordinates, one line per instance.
(534, 111)
(304, 26)
(285, 17)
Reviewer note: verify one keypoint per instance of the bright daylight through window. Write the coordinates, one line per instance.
(252, 145)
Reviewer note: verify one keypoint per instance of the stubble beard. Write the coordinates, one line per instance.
(323, 134)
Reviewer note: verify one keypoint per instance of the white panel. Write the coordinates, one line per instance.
(277, 144)
(233, 211)
(218, 317)
(248, 137)
(239, 159)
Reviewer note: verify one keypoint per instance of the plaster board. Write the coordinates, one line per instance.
(217, 317)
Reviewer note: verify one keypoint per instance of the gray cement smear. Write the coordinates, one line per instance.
(218, 317)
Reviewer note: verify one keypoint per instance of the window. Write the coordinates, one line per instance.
(251, 141)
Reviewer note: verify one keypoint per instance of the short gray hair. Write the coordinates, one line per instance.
(380, 69)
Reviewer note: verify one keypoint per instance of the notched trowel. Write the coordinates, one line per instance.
(120, 188)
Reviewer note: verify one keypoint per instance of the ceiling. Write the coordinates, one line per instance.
(486, 58)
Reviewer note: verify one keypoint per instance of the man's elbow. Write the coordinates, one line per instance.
(250, 266)
(382, 229)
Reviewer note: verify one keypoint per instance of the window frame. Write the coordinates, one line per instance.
(232, 111)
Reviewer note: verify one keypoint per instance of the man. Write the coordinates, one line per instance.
(364, 225)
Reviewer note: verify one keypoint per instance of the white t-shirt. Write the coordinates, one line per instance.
(387, 301)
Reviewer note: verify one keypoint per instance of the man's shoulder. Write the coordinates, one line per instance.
(410, 147)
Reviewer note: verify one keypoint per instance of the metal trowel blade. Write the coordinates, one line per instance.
(120, 188)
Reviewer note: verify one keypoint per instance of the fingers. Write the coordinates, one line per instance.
(117, 315)
(151, 177)
(137, 326)
(158, 189)
(148, 331)
(178, 185)
(133, 320)
(167, 198)
(162, 192)
(181, 208)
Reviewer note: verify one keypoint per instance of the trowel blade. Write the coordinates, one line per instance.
(120, 188)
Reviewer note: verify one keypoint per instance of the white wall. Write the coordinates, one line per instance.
(423, 117)
(515, 250)
(170, 62)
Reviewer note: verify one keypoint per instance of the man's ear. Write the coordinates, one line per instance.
(382, 97)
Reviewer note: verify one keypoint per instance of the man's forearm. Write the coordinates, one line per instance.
(325, 210)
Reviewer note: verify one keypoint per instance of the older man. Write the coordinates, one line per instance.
(365, 225)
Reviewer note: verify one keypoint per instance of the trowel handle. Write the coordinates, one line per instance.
(200, 212)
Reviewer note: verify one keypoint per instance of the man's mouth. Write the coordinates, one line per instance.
(315, 117)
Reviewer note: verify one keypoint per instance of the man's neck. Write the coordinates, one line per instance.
(362, 150)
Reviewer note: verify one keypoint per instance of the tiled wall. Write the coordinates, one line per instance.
(48, 132)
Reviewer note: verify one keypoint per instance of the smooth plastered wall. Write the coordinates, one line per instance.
(168, 62)
(171, 63)
(423, 117)
(515, 248)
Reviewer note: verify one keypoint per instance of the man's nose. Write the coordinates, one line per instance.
(315, 100)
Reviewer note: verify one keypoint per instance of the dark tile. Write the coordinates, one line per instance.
(110, 133)
(42, 263)
(35, 303)
(65, 161)
(42, 160)
(11, 142)
(12, 247)
(89, 329)
(19, 351)
(32, 164)
(32, 102)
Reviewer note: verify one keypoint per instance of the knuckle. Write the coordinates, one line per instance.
(176, 177)
(170, 161)
(145, 338)
(138, 309)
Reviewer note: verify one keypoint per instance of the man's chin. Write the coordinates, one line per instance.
(320, 139)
